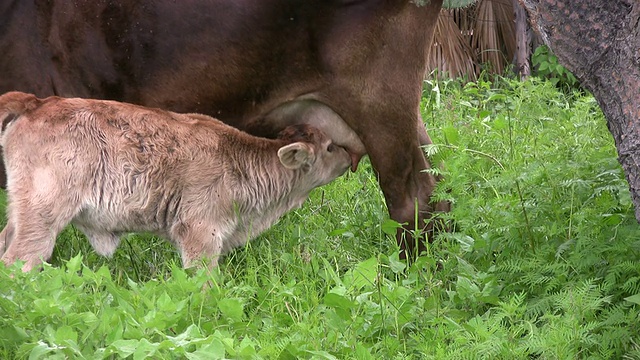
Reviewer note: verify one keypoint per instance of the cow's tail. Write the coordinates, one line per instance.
(13, 105)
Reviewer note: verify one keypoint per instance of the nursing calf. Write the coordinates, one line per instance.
(110, 168)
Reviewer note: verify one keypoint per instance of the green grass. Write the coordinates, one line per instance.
(544, 261)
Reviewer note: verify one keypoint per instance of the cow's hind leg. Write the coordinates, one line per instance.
(397, 157)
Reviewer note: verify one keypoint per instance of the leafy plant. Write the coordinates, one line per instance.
(546, 66)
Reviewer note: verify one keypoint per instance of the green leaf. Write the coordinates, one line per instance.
(124, 348)
(232, 308)
(390, 227)
(45, 307)
(451, 135)
(164, 303)
(228, 344)
(74, 264)
(114, 332)
(500, 123)
(633, 299)
(247, 348)
(338, 301)
(65, 333)
(497, 97)
(466, 242)
(211, 351)
(321, 355)
(467, 103)
(364, 274)
(544, 66)
(144, 350)
(362, 353)
(184, 338)
(466, 288)
(483, 114)
(13, 334)
(39, 351)
(395, 264)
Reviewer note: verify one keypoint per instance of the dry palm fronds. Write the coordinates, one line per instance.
(466, 39)
(505, 21)
(451, 53)
(485, 37)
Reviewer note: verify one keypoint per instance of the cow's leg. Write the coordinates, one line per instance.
(396, 155)
(197, 241)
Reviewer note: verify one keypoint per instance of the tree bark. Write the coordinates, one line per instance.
(523, 45)
(599, 41)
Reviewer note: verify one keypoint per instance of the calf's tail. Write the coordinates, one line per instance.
(13, 105)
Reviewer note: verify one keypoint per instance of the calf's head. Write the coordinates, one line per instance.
(310, 151)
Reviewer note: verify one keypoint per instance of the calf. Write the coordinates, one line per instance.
(110, 168)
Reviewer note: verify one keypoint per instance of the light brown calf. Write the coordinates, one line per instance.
(110, 168)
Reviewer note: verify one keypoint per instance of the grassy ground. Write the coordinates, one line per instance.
(544, 262)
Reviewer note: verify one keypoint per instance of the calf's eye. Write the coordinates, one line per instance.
(331, 147)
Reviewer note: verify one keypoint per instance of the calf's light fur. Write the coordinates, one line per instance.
(111, 168)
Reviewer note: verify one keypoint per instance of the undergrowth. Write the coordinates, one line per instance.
(543, 262)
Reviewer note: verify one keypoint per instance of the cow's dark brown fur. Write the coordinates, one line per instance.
(241, 61)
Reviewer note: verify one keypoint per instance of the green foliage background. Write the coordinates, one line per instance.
(544, 261)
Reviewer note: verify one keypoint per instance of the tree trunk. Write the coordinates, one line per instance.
(523, 45)
(599, 41)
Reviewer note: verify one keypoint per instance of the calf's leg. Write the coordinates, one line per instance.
(34, 238)
(6, 236)
(197, 241)
(35, 219)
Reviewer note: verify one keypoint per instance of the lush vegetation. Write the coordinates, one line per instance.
(547, 66)
(544, 260)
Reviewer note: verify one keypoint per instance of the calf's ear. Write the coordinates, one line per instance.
(296, 155)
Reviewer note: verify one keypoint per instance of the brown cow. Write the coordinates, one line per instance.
(111, 168)
(254, 64)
